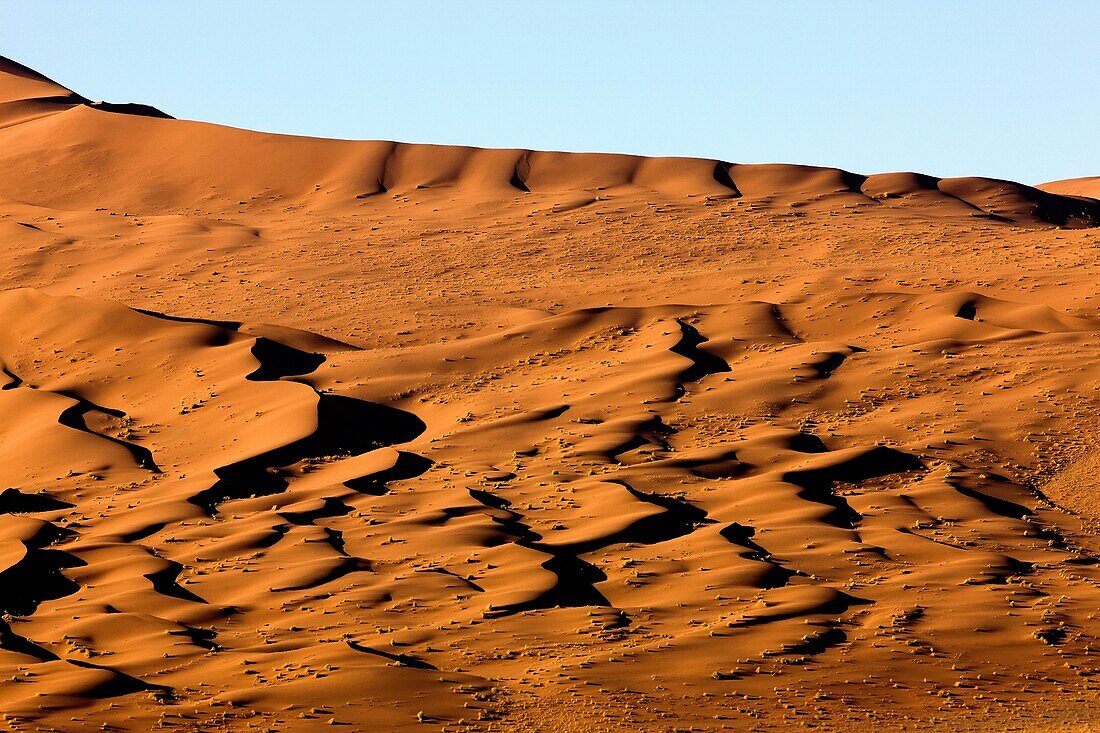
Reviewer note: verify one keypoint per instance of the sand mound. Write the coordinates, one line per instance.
(199, 516)
(1088, 187)
(305, 432)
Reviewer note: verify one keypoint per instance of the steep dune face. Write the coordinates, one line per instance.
(302, 432)
(19, 83)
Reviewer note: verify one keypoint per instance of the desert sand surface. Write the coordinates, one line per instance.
(1088, 187)
(303, 433)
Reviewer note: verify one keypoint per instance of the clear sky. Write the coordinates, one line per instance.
(1006, 89)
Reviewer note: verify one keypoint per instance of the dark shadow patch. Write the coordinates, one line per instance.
(652, 431)
(703, 362)
(816, 644)
(345, 427)
(776, 575)
(408, 465)
(1051, 636)
(1004, 507)
(817, 483)
(14, 501)
(1066, 211)
(521, 171)
(827, 366)
(835, 606)
(279, 360)
(807, 443)
(119, 684)
(551, 413)
(131, 108)
(576, 579)
(74, 418)
(36, 578)
(346, 566)
(202, 638)
(380, 188)
(166, 583)
(677, 520)
(13, 642)
(226, 325)
(145, 532)
(330, 507)
(276, 533)
(15, 379)
(405, 660)
(444, 571)
(721, 175)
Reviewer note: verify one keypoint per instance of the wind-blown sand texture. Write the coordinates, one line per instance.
(299, 432)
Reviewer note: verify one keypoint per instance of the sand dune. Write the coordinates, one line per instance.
(1088, 187)
(50, 133)
(303, 432)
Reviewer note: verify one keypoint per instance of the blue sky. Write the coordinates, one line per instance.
(1005, 89)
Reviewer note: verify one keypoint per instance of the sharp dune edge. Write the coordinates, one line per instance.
(304, 432)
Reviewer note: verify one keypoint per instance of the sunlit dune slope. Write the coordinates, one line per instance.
(1088, 187)
(58, 148)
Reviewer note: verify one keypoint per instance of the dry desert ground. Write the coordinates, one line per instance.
(299, 434)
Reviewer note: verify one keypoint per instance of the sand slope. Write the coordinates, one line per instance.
(305, 432)
(60, 149)
(1088, 187)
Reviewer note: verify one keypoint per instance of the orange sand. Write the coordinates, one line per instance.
(301, 432)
